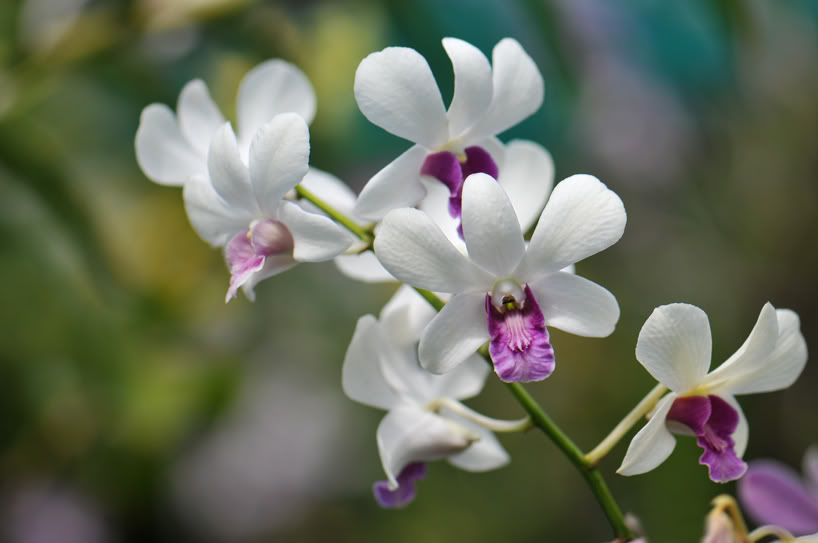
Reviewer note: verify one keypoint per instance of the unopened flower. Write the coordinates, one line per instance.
(395, 89)
(504, 290)
(381, 370)
(240, 206)
(773, 493)
(674, 346)
(172, 148)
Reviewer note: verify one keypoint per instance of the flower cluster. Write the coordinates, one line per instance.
(448, 218)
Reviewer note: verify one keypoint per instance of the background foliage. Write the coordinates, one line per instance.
(136, 406)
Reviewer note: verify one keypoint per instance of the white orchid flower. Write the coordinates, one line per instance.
(241, 206)
(503, 290)
(527, 176)
(395, 89)
(172, 148)
(381, 369)
(674, 346)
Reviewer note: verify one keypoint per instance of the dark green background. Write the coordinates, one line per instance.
(133, 399)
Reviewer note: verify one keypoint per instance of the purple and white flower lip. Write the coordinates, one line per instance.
(406, 491)
(395, 89)
(450, 170)
(241, 207)
(519, 345)
(773, 493)
(674, 346)
(381, 370)
(504, 290)
(713, 421)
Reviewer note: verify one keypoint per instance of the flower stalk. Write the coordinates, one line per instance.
(538, 417)
(362, 233)
(495, 425)
(620, 430)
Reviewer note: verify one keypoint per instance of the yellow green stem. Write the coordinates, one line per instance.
(642, 408)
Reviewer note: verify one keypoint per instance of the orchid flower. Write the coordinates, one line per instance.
(674, 346)
(241, 207)
(172, 148)
(395, 89)
(774, 494)
(422, 424)
(503, 290)
(527, 176)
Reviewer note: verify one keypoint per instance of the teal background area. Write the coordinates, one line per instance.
(136, 406)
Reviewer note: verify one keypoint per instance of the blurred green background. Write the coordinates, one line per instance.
(136, 406)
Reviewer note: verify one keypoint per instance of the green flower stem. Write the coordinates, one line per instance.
(538, 416)
(642, 408)
(541, 420)
(363, 234)
(591, 475)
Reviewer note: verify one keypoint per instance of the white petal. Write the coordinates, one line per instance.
(162, 152)
(527, 176)
(484, 454)
(410, 434)
(330, 189)
(652, 444)
(212, 219)
(674, 345)
(472, 84)
(316, 237)
(455, 333)
(576, 305)
(490, 226)
(228, 173)
(413, 249)
(363, 267)
(581, 218)
(279, 156)
(362, 379)
(271, 88)
(518, 89)
(465, 381)
(199, 118)
(395, 89)
(436, 205)
(742, 432)
(405, 315)
(396, 185)
(772, 358)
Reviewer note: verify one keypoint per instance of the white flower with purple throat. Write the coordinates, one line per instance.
(241, 207)
(674, 346)
(395, 89)
(425, 419)
(505, 291)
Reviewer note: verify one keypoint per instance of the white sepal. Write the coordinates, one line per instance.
(674, 345)
(652, 444)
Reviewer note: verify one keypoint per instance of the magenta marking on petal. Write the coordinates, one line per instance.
(242, 261)
(772, 493)
(478, 160)
(713, 420)
(406, 491)
(520, 346)
(444, 167)
(692, 411)
(270, 237)
(447, 168)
